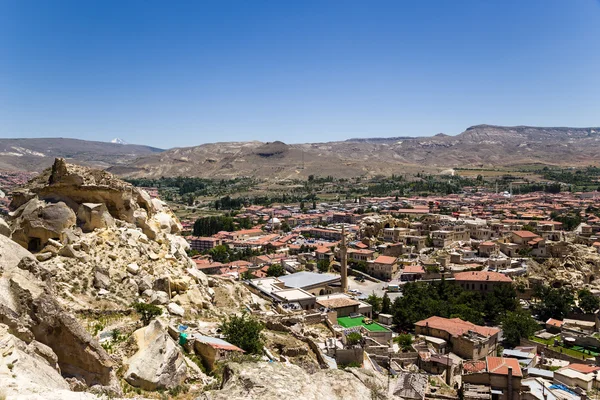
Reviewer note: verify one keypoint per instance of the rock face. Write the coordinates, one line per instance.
(29, 312)
(373, 226)
(4, 228)
(158, 364)
(95, 196)
(278, 381)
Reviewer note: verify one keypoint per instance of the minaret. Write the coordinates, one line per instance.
(344, 261)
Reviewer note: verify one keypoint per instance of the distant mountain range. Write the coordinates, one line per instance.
(37, 154)
(478, 146)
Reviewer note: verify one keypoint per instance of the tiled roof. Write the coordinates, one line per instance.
(583, 368)
(554, 322)
(385, 260)
(481, 276)
(338, 302)
(525, 234)
(474, 366)
(456, 326)
(499, 366)
(413, 269)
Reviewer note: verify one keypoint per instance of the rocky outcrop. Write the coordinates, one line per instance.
(31, 314)
(97, 198)
(37, 221)
(159, 363)
(279, 381)
(373, 226)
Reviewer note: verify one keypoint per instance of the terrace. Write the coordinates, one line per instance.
(351, 322)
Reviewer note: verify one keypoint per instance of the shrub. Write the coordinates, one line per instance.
(244, 332)
(147, 311)
(353, 338)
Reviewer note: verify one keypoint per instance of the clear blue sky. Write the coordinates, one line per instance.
(181, 73)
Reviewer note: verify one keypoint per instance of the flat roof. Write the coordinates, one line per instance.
(305, 279)
(348, 322)
(292, 294)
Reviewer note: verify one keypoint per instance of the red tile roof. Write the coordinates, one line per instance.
(385, 260)
(525, 234)
(583, 368)
(499, 366)
(554, 322)
(474, 366)
(481, 276)
(456, 326)
(413, 269)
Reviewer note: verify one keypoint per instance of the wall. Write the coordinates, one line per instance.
(347, 356)
(549, 353)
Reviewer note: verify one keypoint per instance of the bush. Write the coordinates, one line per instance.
(323, 265)
(353, 338)
(147, 311)
(275, 270)
(244, 332)
(404, 340)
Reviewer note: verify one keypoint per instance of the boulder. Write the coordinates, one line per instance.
(37, 221)
(159, 298)
(175, 309)
(94, 216)
(158, 363)
(133, 268)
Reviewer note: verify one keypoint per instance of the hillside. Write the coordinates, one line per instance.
(37, 154)
(478, 146)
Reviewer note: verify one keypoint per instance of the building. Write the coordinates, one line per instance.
(201, 244)
(383, 267)
(502, 375)
(412, 273)
(466, 339)
(344, 305)
(317, 284)
(481, 281)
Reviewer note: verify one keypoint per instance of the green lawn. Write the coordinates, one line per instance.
(348, 322)
(565, 350)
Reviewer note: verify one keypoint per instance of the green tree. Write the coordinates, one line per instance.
(275, 270)
(243, 331)
(552, 302)
(147, 311)
(386, 304)
(247, 275)
(404, 340)
(353, 338)
(516, 325)
(587, 301)
(375, 302)
(323, 265)
(219, 253)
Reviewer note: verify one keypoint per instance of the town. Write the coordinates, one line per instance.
(349, 266)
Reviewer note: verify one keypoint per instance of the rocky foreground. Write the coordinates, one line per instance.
(81, 246)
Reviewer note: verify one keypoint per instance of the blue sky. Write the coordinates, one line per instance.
(183, 73)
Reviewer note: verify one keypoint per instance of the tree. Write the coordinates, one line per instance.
(275, 270)
(552, 302)
(353, 338)
(386, 304)
(375, 302)
(516, 325)
(587, 301)
(323, 265)
(219, 253)
(314, 205)
(404, 340)
(243, 331)
(147, 311)
(247, 275)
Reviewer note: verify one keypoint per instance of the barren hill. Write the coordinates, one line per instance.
(481, 145)
(37, 154)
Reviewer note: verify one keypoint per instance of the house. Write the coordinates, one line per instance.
(203, 243)
(554, 325)
(502, 375)
(344, 305)
(481, 281)
(466, 339)
(574, 378)
(383, 267)
(486, 249)
(412, 273)
(213, 349)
